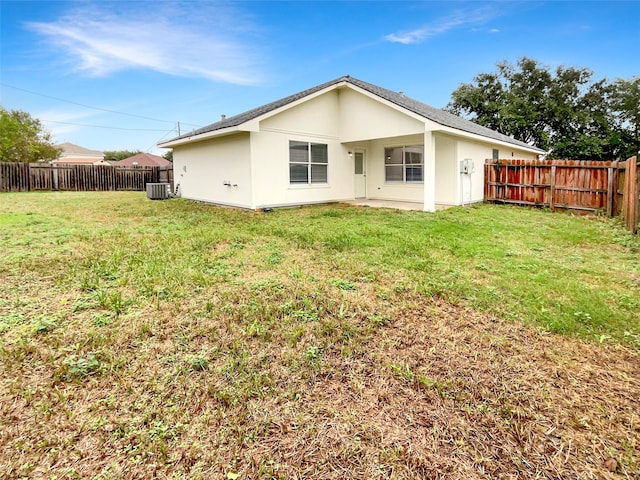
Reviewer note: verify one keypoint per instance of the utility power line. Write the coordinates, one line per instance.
(93, 108)
(160, 139)
(103, 126)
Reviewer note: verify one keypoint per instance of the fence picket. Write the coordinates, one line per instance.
(24, 177)
(597, 186)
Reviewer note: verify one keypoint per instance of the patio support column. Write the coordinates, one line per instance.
(429, 174)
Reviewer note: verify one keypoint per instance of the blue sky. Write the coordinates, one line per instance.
(120, 75)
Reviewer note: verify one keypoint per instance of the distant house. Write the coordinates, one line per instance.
(76, 155)
(342, 140)
(144, 160)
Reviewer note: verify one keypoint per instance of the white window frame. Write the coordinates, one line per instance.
(309, 163)
(404, 164)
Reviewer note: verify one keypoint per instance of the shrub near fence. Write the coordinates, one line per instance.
(23, 177)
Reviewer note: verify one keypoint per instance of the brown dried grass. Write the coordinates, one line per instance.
(438, 391)
(265, 352)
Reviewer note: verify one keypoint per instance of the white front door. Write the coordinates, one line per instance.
(360, 175)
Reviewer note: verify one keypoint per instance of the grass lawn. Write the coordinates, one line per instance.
(173, 339)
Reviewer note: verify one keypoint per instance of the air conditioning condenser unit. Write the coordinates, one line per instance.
(158, 191)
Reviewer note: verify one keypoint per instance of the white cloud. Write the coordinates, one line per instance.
(442, 25)
(207, 40)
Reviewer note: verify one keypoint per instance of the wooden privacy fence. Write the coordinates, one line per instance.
(23, 177)
(592, 186)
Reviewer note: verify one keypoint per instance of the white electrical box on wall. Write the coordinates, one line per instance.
(467, 166)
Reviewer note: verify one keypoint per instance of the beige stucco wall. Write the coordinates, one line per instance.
(270, 168)
(377, 188)
(201, 168)
(473, 185)
(315, 120)
(315, 117)
(447, 185)
(451, 187)
(363, 118)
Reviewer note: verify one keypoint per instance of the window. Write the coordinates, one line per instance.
(308, 163)
(359, 163)
(404, 164)
(495, 153)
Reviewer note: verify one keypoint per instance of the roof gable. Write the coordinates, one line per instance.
(423, 110)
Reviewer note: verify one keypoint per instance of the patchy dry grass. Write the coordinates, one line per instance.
(179, 340)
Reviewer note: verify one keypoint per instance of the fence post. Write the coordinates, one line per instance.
(553, 188)
(631, 202)
(634, 193)
(637, 197)
(487, 180)
(610, 190)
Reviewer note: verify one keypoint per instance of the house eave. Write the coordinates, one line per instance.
(223, 132)
(481, 138)
(401, 104)
(438, 126)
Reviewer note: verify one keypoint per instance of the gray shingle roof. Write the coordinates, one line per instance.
(431, 113)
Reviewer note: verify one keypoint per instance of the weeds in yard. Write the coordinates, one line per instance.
(344, 284)
(79, 367)
(320, 342)
(44, 323)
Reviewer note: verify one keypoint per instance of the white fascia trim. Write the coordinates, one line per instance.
(208, 135)
(483, 139)
(252, 125)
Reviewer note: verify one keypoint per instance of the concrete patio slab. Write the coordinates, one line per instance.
(391, 204)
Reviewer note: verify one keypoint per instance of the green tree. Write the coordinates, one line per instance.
(24, 139)
(511, 101)
(563, 111)
(115, 155)
(168, 156)
(625, 101)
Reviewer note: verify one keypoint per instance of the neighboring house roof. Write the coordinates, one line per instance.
(144, 160)
(428, 112)
(71, 150)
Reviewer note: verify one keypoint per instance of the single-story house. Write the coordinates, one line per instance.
(343, 140)
(76, 155)
(143, 160)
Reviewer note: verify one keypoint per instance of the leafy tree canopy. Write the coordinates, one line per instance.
(24, 139)
(564, 111)
(168, 155)
(116, 155)
(625, 101)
